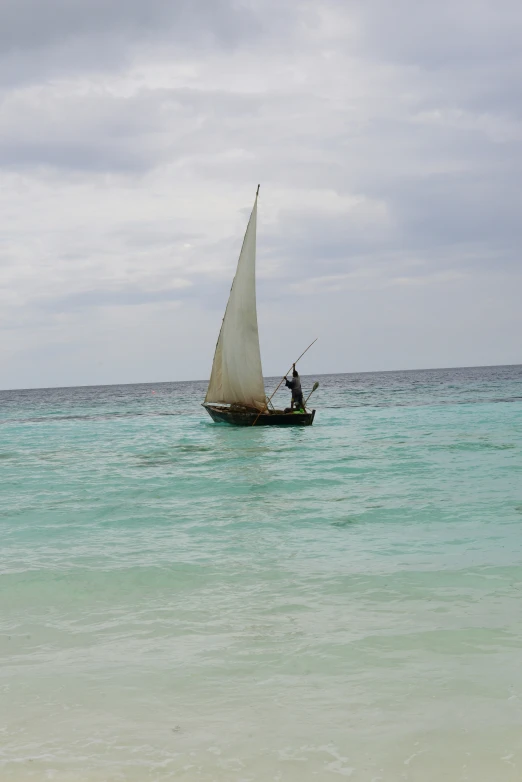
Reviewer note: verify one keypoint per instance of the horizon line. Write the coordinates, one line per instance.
(319, 374)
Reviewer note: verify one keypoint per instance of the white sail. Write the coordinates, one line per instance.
(237, 376)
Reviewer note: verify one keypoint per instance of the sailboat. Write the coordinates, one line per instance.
(236, 391)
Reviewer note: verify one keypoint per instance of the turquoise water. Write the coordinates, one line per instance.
(186, 600)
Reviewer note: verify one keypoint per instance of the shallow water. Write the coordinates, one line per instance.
(185, 600)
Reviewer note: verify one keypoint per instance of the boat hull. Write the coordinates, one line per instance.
(224, 415)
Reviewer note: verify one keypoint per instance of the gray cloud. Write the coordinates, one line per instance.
(103, 298)
(73, 36)
(103, 131)
(435, 36)
(29, 25)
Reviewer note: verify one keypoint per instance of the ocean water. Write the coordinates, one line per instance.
(190, 601)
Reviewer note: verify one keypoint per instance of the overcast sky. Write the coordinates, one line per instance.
(387, 140)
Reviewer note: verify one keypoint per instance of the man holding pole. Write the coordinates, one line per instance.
(297, 393)
(289, 383)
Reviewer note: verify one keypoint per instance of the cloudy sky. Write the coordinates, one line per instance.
(387, 140)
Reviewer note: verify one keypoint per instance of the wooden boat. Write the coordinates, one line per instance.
(236, 390)
(246, 417)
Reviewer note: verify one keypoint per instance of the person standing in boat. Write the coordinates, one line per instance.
(297, 393)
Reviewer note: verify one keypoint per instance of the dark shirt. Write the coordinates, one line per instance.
(295, 384)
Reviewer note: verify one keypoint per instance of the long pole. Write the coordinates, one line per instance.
(279, 384)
